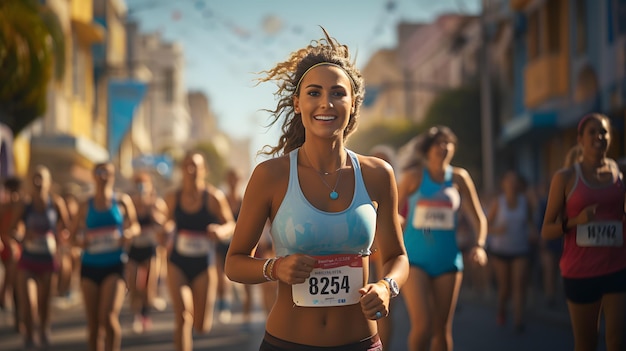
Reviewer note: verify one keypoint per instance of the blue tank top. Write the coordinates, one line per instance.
(110, 218)
(432, 220)
(39, 224)
(299, 227)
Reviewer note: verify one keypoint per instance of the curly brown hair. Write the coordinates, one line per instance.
(287, 74)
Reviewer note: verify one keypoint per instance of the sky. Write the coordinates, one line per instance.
(226, 42)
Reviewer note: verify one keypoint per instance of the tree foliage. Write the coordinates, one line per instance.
(32, 51)
(394, 133)
(217, 165)
(459, 109)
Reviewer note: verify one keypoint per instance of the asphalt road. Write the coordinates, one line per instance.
(475, 329)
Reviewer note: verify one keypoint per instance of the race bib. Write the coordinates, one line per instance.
(147, 238)
(103, 240)
(192, 243)
(335, 281)
(433, 216)
(600, 234)
(42, 243)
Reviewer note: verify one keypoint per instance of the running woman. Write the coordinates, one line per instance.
(586, 208)
(43, 216)
(143, 264)
(105, 225)
(202, 217)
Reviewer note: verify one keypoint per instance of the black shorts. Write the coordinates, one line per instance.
(191, 267)
(590, 290)
(272, 343)
(508, 257)
(99, 274)
(141, 254)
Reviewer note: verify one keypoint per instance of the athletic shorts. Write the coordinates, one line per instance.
(36, 266)
(191, 267)
(508, 257)
(141, 254)
(99, 274)
(590, 290)
(272, 343)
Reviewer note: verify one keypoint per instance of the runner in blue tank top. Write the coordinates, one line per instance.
(104, 225)
(434, 191)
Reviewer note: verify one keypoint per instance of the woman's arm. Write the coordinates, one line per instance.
(131, 224)
(78, 225)
(472, 206)
(493, 227)
(388, 228)
(381, 185)
(64, 218)
(218, 201)
(552, 227)
(256, 206)
(409, 181)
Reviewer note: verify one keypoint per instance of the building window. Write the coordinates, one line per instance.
(534, 38)
(168, 84)
(581, 26)
(79, 67)
(553, 8)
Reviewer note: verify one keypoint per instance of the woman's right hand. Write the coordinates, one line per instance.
(587, 215)
(294, 269)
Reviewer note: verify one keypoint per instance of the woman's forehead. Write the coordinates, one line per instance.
(330, 73)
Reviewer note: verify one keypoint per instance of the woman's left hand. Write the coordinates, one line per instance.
(478, 255)
(375, 300)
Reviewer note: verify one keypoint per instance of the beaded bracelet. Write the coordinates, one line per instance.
(274, 268)
(270, 269)
(267, 262)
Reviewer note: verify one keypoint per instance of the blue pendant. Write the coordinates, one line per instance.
(334, 195)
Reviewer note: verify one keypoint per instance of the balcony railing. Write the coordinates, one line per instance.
(545, 78)
(519, 5)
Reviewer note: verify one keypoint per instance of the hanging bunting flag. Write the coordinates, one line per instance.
(123, 98)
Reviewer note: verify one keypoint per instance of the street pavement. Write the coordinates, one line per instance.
(475, 329)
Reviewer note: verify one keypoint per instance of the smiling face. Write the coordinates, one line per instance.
(325, 101)
(595, 137)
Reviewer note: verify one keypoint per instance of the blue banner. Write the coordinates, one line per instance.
(124, 96)
(162, 164)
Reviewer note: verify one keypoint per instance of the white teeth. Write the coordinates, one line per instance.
(324, 118)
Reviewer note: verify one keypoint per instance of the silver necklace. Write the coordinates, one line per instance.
(333, 193)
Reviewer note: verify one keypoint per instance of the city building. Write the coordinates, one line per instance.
(568, 60)
(68, 138)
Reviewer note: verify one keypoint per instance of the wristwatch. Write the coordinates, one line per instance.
(393, 286)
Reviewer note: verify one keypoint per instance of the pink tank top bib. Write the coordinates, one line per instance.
(598, 247)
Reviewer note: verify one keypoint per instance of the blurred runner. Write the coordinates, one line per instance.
(44, 216)
(143, 265)
(202, 217)
(105, 225)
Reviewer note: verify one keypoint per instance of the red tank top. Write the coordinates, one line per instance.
(597, 248)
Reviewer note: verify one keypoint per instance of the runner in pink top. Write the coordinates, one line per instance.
(586, 206)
